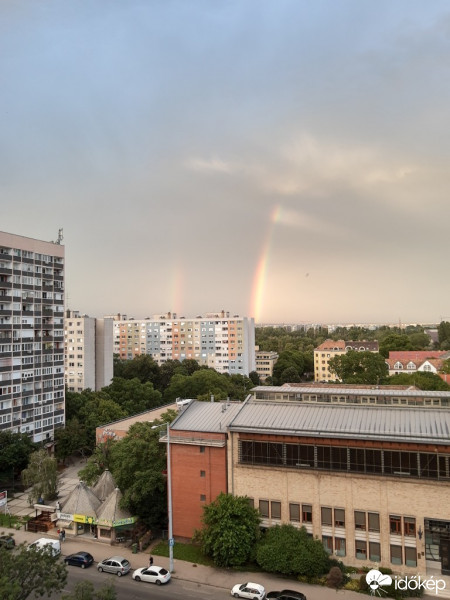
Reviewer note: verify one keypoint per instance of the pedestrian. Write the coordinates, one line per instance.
(60, 535)
(63, 533)
(150, 561)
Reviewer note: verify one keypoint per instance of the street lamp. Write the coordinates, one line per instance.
(169, 493)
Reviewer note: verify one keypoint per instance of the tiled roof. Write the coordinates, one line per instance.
(419, 355)
(339, 421)
(104, 486)
(332, 345)
(81, 501)
(110, 510)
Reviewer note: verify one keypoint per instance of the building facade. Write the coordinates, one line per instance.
(265, 362)
(89, 352)
(31, 336)
(331, 348)
(224, 343)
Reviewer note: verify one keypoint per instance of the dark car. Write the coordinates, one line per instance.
(286, 595)
(7, 541)
(79, 559)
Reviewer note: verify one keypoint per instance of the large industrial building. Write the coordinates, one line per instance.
(224, 343)
(31, 336)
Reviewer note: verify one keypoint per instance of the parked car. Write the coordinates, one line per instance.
(44, 543)
(152, 574)
(253, 591)
(79, 559)
(286, 595)
(7, 541)
(115, 564)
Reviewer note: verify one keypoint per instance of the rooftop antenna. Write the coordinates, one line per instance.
(60, 236)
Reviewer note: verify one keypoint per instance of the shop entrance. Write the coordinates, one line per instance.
(437, 543)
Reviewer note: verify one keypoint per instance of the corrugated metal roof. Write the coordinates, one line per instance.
(212, 417)
(343, 421)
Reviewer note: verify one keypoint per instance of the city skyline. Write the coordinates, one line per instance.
(282, 161)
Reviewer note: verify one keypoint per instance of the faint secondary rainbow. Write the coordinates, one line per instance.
(259, 280)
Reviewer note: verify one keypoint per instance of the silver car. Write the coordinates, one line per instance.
(116, 564)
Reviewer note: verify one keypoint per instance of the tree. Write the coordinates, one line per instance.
(254, 378)
(230, 530)
(84, 590)
(25, 572)
(367, 368)
(71, 439)
(288, 359)
(99, 461)
(394, 342)
(138, 464)
(444, 335)
(201, 385)
(15, 452)
(132, 395)
(289, 375)
(42, 475)
(142, 367)
(335, 578)
(421, 380)
(288, 550)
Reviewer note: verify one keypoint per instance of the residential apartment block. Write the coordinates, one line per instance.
(89, 352)
(31, 336)
(371, 482)
(224, 343)
(331, 348)
(265, 362)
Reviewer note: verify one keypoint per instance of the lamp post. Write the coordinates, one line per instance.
(169, 492)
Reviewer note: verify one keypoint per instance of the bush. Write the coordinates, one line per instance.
(335, 578)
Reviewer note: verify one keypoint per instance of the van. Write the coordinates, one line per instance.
(42, 543)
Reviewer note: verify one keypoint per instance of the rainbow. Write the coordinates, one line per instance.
(259, 280)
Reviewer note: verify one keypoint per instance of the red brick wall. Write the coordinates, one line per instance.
(188, 484)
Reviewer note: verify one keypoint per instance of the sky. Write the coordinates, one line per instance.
(285, 160)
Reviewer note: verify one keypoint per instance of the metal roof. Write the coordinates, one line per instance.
(212, 417)
(419, 425)
(342, 390)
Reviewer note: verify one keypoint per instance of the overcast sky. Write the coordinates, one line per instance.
(281, 159)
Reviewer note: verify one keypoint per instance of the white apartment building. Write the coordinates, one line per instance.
(224, 343)
(89, 352)
(31, 336)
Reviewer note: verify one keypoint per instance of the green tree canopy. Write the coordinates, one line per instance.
(421, 380)
(132, 395)
(289, 359)
(201, 384)
(27, 573)
(367, 368)
(85, 590)
(15, 450)
(393, 342)
(72, 439)
(288, 550)
(230, 530)
(42, 475)
(142, 367)
(444, 335)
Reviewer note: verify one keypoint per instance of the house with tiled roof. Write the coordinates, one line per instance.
(413, 361)
(331, 348)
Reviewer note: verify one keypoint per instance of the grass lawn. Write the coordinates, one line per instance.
(188, 552)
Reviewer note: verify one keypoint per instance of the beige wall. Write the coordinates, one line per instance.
(383, 495)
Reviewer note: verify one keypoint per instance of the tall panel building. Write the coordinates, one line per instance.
(224, 343)
(31, 336)
(89, 352)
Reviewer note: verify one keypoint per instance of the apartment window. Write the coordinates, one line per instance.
(202, 449)
(396, 555)
(361, 549)
(395, 526)
(275, 510)
(294, 512)
(264, 508)
(410, 557)
(326, 516)
(327, 542)
(360, 520)
(409, 524)
(339, 517)
(202, 473)
(202, 498)
(374, 552)
(306, 513)
(374, 521)
(339, 546)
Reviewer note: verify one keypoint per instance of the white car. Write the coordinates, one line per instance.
(253, 591)
(152, 574)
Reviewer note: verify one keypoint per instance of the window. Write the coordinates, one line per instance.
(410, 557)
(396, 555)
(202, 449)
(251, 502)
(339, 546)
(294, 512)
(275, 509)
(306, 513)
(202, 498)
(374, 521)
(361, 549)
(202, 473)
(326, 516)
(339, 517)
(327, 542)
(264, 508)
(374, 552)
(360, 520)
(409, 524)
(395, 526)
